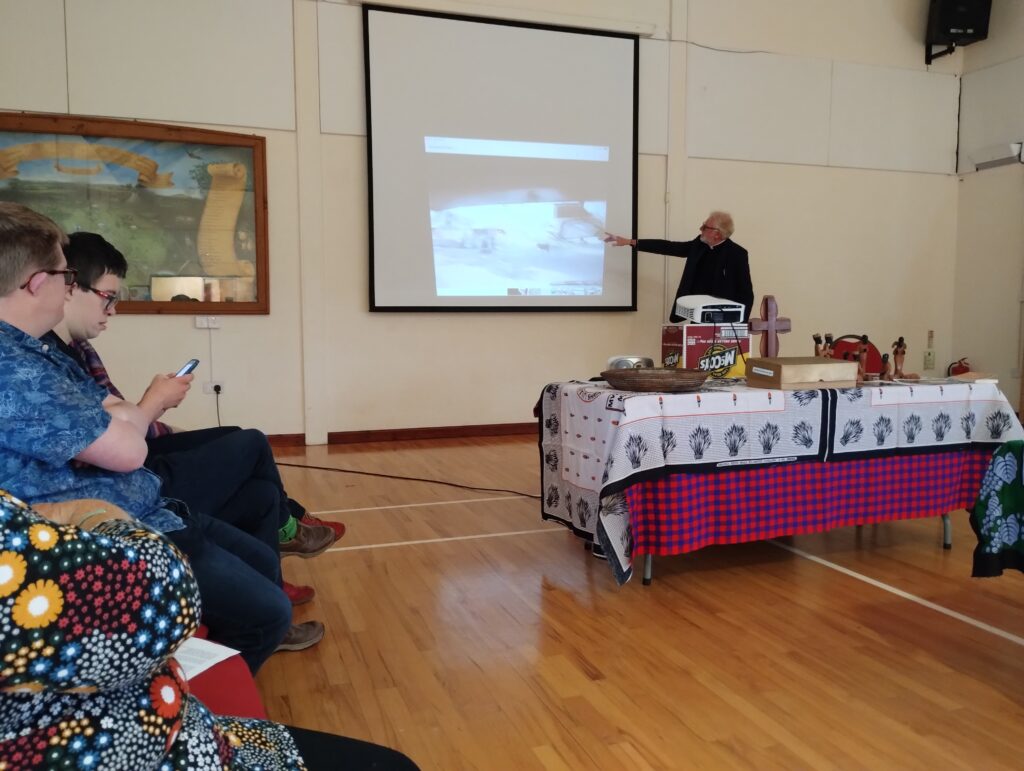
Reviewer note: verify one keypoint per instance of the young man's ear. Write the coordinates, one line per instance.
(36, 282)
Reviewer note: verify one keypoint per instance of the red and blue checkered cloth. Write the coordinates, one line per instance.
(684, 512)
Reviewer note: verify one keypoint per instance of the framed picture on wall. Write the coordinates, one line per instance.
(187, 207)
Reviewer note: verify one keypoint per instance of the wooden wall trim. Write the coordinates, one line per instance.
(287, 440)
(406, 434)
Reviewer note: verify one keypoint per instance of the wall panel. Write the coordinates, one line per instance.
(32, 62)
(225, 62)
(342, 82)
(757, 107)
(884, 118)
(991, 110)
(654, 97)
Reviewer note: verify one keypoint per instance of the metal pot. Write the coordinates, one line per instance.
(630, 362)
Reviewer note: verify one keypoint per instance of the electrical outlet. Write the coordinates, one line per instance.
(202, 322)
(213, 322)
(210, 385)
(929, 359)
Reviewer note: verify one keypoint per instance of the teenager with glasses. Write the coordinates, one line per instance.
(109, 298)
(228, 473)
(715, 264)
(64, 437)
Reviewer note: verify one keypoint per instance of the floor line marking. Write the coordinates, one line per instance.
(446, 540)
(905, 595)
(418, 505)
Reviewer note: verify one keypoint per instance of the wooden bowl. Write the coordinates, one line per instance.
(656, 380)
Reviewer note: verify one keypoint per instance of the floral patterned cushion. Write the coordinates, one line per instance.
(88, 623)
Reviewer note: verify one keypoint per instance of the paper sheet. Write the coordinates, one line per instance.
(197, 655)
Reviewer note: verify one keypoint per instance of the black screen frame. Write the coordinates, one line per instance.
(374, 306)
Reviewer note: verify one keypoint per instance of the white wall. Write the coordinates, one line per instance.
(33, 59)
(990, 223)
(792, 109)
(990, 274)
(992, 109)
(843, 249)
(182, 61)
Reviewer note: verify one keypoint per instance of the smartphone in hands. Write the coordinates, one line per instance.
(190, 365)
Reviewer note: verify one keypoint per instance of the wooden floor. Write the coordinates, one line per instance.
(467, 633)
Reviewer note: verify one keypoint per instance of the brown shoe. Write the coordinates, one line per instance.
(337, 527)
(302, 636)
(309, 541)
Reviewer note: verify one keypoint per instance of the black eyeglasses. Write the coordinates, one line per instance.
(69, 274)
(110, 297)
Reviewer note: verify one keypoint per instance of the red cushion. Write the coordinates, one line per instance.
(227, 688)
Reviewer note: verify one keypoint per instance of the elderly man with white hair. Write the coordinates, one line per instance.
(716, 265)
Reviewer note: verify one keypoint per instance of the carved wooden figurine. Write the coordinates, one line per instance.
(899, 353)
(817, 344)
(886, 373)
(826, 350)
(862, 357)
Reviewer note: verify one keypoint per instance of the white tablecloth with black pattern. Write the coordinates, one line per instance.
(596, 441)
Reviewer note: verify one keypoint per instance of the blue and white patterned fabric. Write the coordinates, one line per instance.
(597, 441)
(908, 417)
(50, 410)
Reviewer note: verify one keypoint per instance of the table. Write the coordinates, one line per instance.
(664, 474)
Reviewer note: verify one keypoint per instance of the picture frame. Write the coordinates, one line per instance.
(178, 202)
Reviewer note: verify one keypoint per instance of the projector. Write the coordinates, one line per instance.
(705, 309)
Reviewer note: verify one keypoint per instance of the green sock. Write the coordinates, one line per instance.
(288, 531)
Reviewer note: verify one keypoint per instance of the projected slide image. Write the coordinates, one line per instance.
(519, 249)
(537, 233)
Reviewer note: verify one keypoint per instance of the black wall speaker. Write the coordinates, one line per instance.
(958, 22)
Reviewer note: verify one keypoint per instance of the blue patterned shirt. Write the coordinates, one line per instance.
(50, 411)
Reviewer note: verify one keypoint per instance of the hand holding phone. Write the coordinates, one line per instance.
(190, 365)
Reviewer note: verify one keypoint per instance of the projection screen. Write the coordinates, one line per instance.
(499, 155)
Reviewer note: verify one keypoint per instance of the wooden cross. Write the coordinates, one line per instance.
(769, 326)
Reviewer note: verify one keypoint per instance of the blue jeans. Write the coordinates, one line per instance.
(239, 578)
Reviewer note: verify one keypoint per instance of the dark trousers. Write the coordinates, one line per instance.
(187, 440)
(239, 579)
(228, 473)
(327, 752)
(229, 480)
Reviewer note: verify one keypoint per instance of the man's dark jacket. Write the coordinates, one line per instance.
(728, 279)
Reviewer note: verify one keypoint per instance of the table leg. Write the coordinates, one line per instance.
(947, 532)
(648, 568)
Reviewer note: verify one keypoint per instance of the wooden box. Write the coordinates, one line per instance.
(794, 373)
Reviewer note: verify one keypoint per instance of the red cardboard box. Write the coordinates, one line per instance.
(718, 348)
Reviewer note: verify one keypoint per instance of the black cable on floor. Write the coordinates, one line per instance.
(410, 479)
